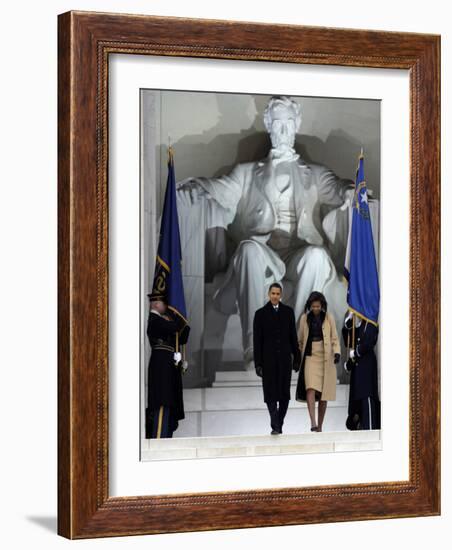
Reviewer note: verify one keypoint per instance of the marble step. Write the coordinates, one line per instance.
(336, 436)
(260, 445)
(239, 376)
(242, 378)
(254, 422)
(245, 398)
(236, 376)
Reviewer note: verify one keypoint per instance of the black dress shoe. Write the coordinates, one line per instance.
(314, 429)
(275, 432)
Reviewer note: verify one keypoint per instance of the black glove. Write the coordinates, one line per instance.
(337, 357)
(259, 371)
(349, 365)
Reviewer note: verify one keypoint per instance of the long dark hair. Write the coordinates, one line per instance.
(316, 297)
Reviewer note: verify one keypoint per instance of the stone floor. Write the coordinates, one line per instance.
(211, 447)
(231, 419)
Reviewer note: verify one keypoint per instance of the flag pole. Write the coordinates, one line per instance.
(170, 149)
(181, 347)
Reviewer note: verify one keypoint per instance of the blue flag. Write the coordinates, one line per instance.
(363, 295)
(168, 264)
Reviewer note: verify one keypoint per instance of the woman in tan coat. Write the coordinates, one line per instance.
(320, 351)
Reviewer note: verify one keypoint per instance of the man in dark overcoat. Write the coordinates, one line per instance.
(165, 404)
(276, 352)
(364, 402)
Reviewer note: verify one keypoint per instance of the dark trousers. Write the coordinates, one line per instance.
(364, 414)
(277, 414)
(370, 414)
(159, 424)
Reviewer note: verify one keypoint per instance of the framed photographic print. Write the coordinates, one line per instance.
(253, 133)
(221, 392)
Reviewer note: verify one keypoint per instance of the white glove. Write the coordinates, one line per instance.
(348, 320)
(352, 354)
(177, 357)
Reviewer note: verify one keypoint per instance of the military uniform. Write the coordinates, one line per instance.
(165, 404)
(364, 402)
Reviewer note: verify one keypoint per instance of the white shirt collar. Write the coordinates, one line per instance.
(285, 155)
(156, 312)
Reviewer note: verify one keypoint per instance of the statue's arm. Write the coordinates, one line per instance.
(225, 190)
(333, 191)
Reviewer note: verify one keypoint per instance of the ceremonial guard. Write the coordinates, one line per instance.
(364, 402)
(276, 351)
(165, 404)
(360, 329)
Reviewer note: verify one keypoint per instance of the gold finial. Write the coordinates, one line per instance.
(170, 149)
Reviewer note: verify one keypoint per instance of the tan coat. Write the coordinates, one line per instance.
(331, 346)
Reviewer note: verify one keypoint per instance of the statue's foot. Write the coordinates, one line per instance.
(249, 366)
(248, 359)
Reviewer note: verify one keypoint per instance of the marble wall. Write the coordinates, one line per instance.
(210, 133)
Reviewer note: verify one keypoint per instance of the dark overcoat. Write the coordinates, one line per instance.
(364, 373)
(275, 349)
(164, 377)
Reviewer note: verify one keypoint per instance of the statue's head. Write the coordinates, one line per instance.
(282, 118)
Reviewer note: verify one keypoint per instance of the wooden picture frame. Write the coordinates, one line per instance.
(85, 42)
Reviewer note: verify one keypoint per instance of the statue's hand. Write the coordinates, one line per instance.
(189, 191)
(348, 197)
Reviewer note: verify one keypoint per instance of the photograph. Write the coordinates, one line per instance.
(259, 263)
(248, 274)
